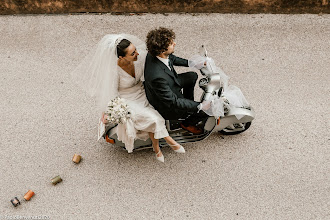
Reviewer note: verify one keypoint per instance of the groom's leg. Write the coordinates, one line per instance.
(190, 124)
(187, 81)
(195, 118)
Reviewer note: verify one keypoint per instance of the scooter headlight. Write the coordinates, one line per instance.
(203, 83)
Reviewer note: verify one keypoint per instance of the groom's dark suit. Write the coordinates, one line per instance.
(163, 88)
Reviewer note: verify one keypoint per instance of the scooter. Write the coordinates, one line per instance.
(235, 119)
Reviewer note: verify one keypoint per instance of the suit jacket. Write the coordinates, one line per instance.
(163, 89)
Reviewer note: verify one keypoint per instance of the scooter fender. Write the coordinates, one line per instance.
(234, 116)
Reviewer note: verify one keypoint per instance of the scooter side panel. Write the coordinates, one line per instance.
(230, 118)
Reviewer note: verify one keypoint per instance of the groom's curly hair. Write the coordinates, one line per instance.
(159, 39)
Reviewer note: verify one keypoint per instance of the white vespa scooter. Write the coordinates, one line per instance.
(234, 114)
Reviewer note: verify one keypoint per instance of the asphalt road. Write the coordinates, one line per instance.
(278, 169)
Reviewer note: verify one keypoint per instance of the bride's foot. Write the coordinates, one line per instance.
(160, 156)
(177, 148)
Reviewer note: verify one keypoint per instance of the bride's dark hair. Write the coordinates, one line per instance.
(121, 47)
(159, 39)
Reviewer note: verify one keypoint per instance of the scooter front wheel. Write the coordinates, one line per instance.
(236, 128)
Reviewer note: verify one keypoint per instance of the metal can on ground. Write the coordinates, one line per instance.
(15, 202)
(56, 180)
(76, 158)
(28, 195)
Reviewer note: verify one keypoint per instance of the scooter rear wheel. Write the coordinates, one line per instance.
(237, 129)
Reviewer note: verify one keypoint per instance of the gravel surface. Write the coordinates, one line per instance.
(278, 169)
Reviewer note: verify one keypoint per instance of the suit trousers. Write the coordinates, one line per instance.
(187, 81)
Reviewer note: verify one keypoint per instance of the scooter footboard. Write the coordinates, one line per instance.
(178, 135)
(235, 116)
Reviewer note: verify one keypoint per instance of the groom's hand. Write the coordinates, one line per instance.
(205, 105)
(197, 61)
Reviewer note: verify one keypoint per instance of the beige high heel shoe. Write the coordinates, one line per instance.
(181, 150)
(161, 158)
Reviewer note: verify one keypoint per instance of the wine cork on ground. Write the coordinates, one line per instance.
(56, 180)
(28, 195)
(76, 158)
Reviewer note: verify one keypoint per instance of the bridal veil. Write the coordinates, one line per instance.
(97, 74)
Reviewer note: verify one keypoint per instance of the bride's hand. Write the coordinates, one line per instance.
(104, 118)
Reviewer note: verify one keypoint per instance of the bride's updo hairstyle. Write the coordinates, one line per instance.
(159, 39)
(122, 46)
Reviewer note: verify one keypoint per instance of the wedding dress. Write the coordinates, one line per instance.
(144, 118)
(101, 77)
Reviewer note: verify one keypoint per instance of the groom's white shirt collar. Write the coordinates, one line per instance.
(165, 61)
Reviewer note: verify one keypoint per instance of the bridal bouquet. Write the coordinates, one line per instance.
(117, 111)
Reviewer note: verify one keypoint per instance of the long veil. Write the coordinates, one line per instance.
(97, 74)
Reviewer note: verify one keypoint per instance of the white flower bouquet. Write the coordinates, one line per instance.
(117, 111)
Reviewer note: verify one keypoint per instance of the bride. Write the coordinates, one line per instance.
(116, 69)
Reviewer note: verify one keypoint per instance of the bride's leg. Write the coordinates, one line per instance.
(155, 145)
(173, 144)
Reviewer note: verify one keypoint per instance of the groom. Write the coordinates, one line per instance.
(172, 95)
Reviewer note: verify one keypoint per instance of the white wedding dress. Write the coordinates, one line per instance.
(144, 118)
(101, 77)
